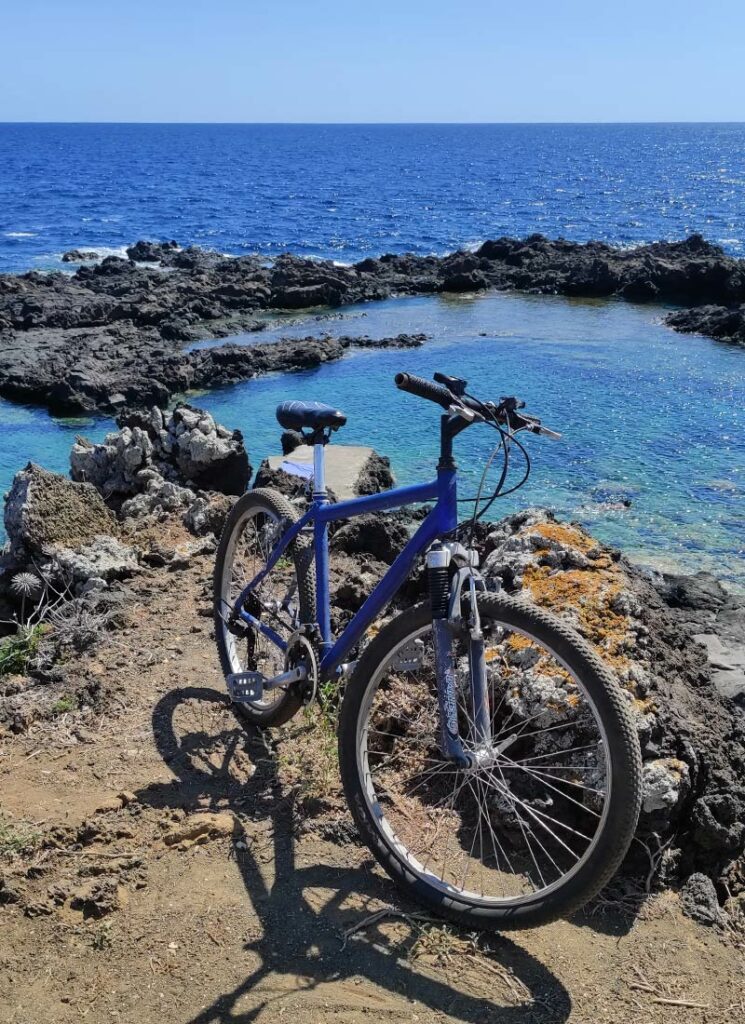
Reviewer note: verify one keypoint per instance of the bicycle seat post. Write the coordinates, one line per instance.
(320, 439)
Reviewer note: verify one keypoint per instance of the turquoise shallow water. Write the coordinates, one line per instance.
(30, 434)
(645, 413)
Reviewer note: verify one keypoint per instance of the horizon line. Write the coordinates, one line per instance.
(372, 124)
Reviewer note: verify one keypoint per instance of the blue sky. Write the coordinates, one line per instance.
(324, 60)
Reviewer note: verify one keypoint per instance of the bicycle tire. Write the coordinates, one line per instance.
(624, 797)
(271, 502)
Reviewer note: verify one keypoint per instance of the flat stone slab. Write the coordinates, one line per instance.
(727, 662)
(344, 464)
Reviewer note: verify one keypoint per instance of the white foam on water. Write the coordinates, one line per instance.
(20, 234)
(101, 251)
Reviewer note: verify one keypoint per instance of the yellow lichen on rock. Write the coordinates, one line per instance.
(585, 595)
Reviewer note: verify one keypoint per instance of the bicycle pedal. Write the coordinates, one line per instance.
(246, 687)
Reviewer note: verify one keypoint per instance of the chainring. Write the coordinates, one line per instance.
(300, 651)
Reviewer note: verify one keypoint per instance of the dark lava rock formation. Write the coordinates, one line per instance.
(113, 333)
(725, 323)
(692, 736)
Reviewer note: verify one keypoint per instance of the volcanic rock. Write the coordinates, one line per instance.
(725, 323)
(112, 334)
(693, 740)
(185, 447)
(46, 513)
(79, 256)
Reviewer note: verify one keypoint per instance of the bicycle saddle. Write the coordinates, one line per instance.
(313, 415)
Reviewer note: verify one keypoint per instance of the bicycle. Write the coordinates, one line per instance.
(487, 754)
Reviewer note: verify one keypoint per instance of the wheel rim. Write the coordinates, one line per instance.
(504, 833)
(247, 552)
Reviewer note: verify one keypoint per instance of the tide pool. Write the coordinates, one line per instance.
(647, 415)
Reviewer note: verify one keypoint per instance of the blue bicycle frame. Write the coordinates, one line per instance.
(442, 518)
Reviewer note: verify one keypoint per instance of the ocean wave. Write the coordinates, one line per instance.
(20, 234)
(101, 251)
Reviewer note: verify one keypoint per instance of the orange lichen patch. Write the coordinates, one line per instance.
(590, 594)
(569, 536)
(491, 654)
(644, 707)
(558, 673)
(558, 709)
(518, 642)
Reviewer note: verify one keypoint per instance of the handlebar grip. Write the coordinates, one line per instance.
(424, 389)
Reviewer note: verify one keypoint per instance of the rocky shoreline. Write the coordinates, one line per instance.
(113, 333)
(143, 505)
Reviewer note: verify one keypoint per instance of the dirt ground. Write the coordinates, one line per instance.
(159, 863)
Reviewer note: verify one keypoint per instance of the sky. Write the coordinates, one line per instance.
(372, 60)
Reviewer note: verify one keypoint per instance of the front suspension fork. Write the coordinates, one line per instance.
(447, 626)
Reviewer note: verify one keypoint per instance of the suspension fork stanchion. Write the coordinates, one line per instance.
(438, 559)
(477, 666)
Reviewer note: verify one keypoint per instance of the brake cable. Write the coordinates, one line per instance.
(507, 438)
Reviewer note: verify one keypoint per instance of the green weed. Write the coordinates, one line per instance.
(65, 703)
(17, 837)
(17, 651)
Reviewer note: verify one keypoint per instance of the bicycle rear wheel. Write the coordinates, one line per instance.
(535, 828)
(282, 601)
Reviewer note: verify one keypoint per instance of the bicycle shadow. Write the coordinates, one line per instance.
(303, 939)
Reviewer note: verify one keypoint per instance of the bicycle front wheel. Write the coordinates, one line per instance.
(540, 823)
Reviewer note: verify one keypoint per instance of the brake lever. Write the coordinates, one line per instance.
(534, 425)
(469, 415)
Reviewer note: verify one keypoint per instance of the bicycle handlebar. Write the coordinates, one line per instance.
(505, 412)
(424, 389)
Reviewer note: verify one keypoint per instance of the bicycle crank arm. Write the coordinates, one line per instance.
(248, 687)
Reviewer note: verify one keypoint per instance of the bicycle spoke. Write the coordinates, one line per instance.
(506, 826)
(530, 848)
(272, 600)
(557, 753)
(565, 782)
(506, 791)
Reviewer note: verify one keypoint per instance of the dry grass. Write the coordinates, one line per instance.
(308, 759)
(18, 838)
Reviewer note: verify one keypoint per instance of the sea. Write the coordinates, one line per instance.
(652, 454)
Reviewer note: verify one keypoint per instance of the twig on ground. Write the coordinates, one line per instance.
(643, 984)
(380, 915)
(680, 1002)
(655, 858)
(518, 989)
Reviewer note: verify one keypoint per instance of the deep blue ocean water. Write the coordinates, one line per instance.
(647, 415)
(347, 191)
